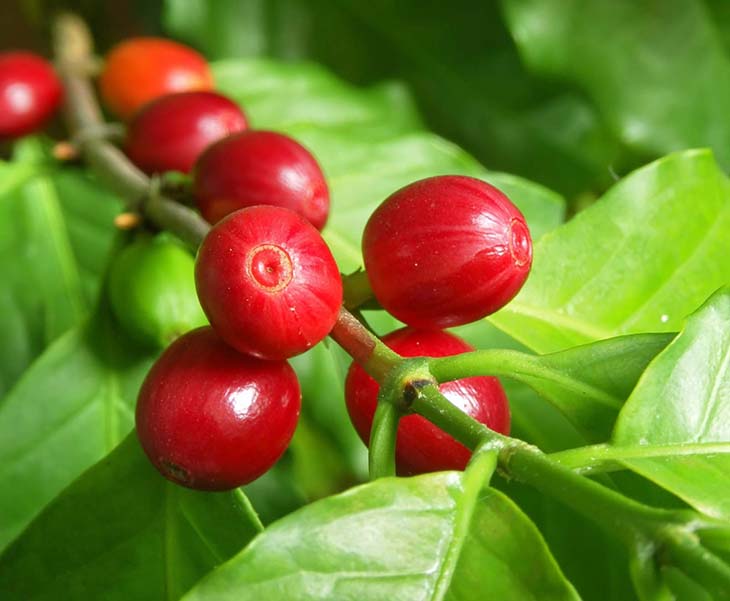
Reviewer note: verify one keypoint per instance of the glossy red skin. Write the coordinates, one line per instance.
(30, 93)
(420, 446)
(260, 168)
(170, 133)
(268, 283)
(140, 70)
(211, 418)
(445, 251)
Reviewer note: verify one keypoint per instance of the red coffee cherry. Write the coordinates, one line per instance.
(260, 168)
(140, 70)
(445, 251)
(268, 282)
(211, 418)
(420, 446)
(30, 93)
(168, 134)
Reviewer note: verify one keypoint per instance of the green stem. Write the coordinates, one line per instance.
(73, 47)
(513, 364)
(617, 514)
(363, 346)
(527, 464)
(705, 568)
(600, 458)
(436, 408)
(382, 440)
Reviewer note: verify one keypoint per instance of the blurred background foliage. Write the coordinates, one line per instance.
(568, 93)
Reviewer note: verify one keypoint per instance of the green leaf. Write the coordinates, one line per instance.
(70, 409)
(365, 149)
(438, 536)
(314, 97)
(576, 543)
(55, 233)
(646, 81)
(587, 384)
(590, 383)
(121, 531)
(641, 259)
(471, 87)
(680, 413)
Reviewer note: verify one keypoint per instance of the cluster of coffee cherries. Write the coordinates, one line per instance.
(220, 405)
(440, 252)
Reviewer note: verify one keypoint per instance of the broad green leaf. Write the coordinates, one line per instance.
(590, 383)
(439, 536)
(472, 86)
(364, 162)
(122, 532)
(594, 563)
(587, 384)
(675, 428)
(639, 62)
(89, 209)
(641, 259)
(71, 408)
(313, 97)
(55, 233)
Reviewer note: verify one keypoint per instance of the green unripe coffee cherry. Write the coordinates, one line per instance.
(152, 290)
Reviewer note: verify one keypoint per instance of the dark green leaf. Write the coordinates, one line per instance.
(458, 58)
(314, 97)
(435, 536)
(72, 407)
(639, 62)
(641, 259)
(676, 425)
(587, 384)
(121, 531)
(590, 383)
(577, 543)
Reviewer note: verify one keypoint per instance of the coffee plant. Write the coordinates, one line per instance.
(266, 336)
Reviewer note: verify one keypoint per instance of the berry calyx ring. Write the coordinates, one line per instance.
(268, 282)
(270, 267)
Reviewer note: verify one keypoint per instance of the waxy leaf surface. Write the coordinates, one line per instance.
(680, 412)
(121, 531)
(440, 536)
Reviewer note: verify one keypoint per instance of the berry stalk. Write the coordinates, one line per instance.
(73, 47)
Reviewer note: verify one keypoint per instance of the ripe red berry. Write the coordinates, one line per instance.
(421, 446)
(211, 418)
(168, 134)
(140, 70)
(260, 168)
(30, 93)
(268, 282)
(445, 251)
